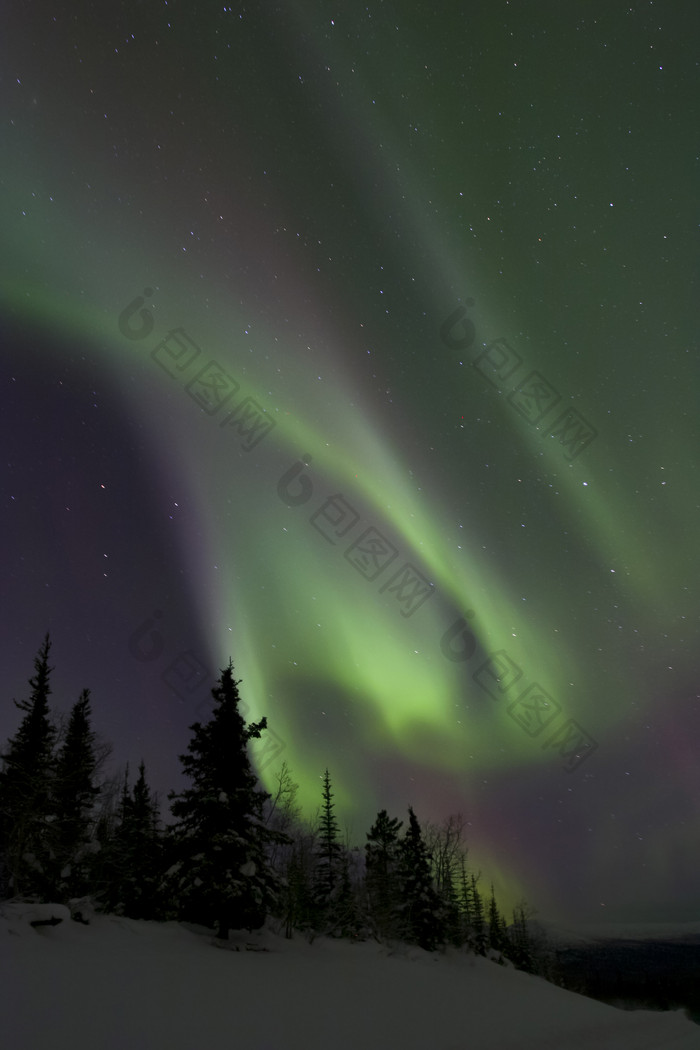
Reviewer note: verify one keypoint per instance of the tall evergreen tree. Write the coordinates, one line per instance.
(420, 903)
(145, 841)
(74, 793)
(25, 790)
(221, 876)
(498, 938)
(521, 950)
(347, 922)
(382, 875)
(133, 854)
(329, 850)
(334, 898)
(451, 917)
(478, 936)
(464, 897)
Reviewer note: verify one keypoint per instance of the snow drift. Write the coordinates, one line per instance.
(119, 983)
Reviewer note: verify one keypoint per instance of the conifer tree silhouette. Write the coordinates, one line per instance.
(329, 849)
(133, 858)
(498, 938)
(25, 790)
(74, 792)
(522, 948)
(221, 876)
(335, 904)
(382, 875)
(478, 937)
(420, 904)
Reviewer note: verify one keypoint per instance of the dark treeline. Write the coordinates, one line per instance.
(233, 856)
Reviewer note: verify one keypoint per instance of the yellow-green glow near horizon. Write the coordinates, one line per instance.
(420, 703)
(314, 619)
(310, 210)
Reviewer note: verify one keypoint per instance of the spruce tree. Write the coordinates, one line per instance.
(328, 868)
(498, 939)
(464, 898)
(420, 904)
(221, 876)
(522, 949)
(335, 905)
(25, 790)
(74, 793)
(133, 854)
(478, 936)
(451, 917)
(347, 922)
(382, 874)
(145, 844)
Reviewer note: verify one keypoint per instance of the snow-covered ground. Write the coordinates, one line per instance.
(118, 984)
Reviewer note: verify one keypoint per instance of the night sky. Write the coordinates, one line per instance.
(359, 344)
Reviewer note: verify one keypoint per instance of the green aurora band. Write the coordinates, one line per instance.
(299, 622)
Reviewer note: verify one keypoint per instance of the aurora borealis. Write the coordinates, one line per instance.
(361, 347)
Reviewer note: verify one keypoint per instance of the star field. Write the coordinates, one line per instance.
(361, 347)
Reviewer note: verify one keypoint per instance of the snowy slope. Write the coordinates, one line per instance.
(118, 984)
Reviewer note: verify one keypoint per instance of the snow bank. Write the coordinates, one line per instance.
(120, 983)
(19, 915)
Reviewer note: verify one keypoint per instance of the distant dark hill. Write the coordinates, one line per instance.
(634, 974)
